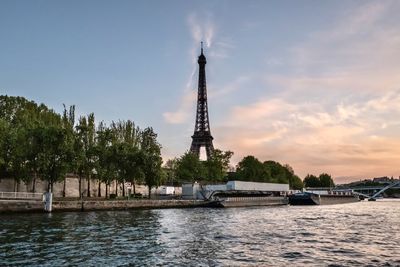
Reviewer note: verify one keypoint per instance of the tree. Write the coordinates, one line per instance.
(106, 167)
(20, 149)
(130, 161)
(170, 169)
(251, 169)
(151, 150)
(296, 183)
(326, 180)
(217, 165)
(311, 181)
(189, 168)
(53, 158)
(278, 173)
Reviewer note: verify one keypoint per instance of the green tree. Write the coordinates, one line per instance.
(189, 168)
(311, 181)
(170, 168)
(296, 183)
(251, 169)
(151, 149)
(277, 172)
(217, 165)
(106, 168)
(326, 180)
(53, 158)
(130, 163)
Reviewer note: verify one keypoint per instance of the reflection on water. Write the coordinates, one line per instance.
(365, 233)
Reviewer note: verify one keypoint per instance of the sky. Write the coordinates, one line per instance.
(312, 84)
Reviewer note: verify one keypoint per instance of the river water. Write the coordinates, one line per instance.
(357, 234)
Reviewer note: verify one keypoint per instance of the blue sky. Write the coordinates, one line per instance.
(314, 84)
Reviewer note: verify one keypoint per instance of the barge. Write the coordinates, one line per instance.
(238, 194)
(323, 197)
(226, 199)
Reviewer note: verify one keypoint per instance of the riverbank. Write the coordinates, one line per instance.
(15, 206)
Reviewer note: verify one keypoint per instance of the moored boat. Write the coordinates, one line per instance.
(323, 197)
(225, 199)
(238, 194)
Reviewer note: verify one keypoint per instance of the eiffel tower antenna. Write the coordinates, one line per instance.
(202, 133)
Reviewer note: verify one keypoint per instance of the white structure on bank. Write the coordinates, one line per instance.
(197, 191)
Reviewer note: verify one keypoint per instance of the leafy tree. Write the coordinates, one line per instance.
(189, 168)
(151, 149)
(52, 159)
(20, 149)
(278, 173)
(217, 165)
(326, 180)
(4, 129)
(170, 169)
(251, 169)
(130, 163)
(106, 168)
(311, 181)
(296, 183)
(68, 122)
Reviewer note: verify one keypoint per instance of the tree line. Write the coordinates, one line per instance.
(252, 169)
(38, 143)
(188, 168)
(323, 180)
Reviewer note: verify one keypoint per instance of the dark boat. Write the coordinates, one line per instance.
(328, 198)
(232, 198)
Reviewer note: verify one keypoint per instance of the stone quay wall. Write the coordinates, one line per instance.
(21, 206)
(72, 187)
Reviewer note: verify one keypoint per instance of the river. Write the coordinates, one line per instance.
(357, 234)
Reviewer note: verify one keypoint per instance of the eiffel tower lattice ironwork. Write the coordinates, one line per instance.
(202, 134)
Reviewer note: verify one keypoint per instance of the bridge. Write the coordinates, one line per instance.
(372, 192)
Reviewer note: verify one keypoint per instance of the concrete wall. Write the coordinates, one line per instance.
(72, 187)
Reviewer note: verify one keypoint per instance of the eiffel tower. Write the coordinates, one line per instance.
(202, 134)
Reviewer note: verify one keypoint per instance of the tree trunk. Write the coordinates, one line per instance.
(51, 186)
(64, 186)
(34, 182)
(88, 185)
(80, 186)
(123, 188)
(99, 191)
(116, 188)
(149, 192)
(134, 188)
(106, 190)
(15, 185)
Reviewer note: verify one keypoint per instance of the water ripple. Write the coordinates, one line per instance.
(360, 234)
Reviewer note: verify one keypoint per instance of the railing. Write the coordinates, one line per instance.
(237, 199)
(21, 195)
(385, 188)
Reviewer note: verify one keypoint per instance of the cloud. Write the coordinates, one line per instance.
(336, 109)
(347, 140)
(182, 114)
(201, 30)
(229, 88)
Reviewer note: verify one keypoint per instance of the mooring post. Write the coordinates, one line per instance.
(48, 201)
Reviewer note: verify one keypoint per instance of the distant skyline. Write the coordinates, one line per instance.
(315, 85)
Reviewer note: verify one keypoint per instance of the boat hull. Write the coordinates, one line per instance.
(315, 199)
(251, 201)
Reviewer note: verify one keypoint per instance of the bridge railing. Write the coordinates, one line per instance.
(21, 195)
